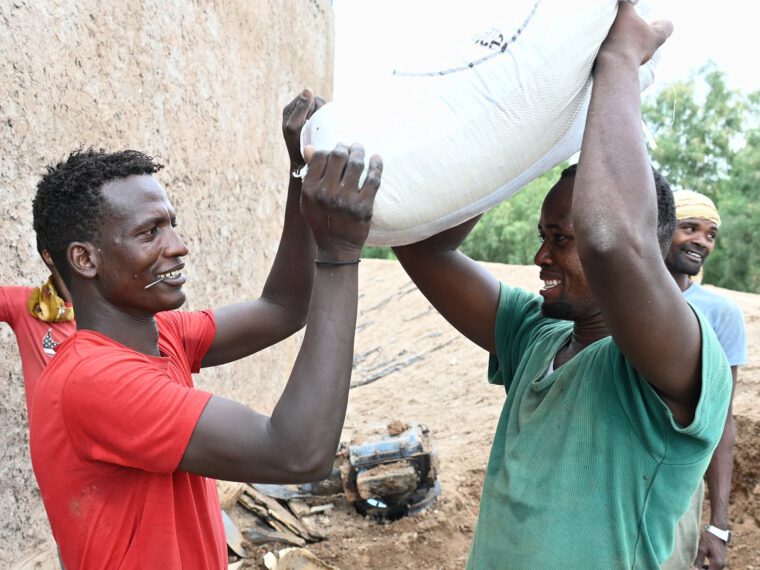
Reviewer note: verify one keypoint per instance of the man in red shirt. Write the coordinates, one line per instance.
(41, 318)
(122, 443)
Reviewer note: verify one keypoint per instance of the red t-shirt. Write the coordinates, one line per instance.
(108, 429)
(37, 340)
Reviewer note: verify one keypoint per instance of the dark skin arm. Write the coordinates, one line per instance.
(718, 479)
(459, 288)
(298, 442)
(615, 217)
(245, 328)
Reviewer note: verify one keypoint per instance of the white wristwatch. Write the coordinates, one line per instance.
(724, 535)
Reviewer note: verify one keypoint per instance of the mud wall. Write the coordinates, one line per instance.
(200, 85)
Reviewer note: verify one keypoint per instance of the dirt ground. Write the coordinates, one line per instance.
(424, 371)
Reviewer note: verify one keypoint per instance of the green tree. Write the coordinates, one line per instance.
(696, 125)
(509, 232)
(708, 140)
(735, 261)
(377, 252)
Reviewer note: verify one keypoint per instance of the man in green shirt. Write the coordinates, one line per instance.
(617, 392)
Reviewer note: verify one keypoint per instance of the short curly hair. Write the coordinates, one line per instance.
(666, 207)
(69, 201)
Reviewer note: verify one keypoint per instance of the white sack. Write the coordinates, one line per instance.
(496, 108)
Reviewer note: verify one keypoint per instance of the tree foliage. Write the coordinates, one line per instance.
(509, 232)
(708, 140)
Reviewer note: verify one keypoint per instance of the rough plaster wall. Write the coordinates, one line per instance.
(200, 85)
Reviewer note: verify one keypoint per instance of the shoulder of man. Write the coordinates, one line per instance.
(14, 296)
(726, 318)
(707, 300)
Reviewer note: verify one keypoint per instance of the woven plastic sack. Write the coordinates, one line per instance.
(473, 124)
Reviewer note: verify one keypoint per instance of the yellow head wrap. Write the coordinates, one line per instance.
(45, 304)
(690, 204)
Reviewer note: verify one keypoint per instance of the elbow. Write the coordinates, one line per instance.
(318, 462)
(305, 459)
(295, 315)
(298, 323)
(291, 323)
(311, 468)
(599, 240)
(609, 244)
(320, 471)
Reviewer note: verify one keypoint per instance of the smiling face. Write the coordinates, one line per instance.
(566, 292)
(693, 241)
(138, 245)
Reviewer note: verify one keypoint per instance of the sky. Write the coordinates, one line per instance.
(371, 37)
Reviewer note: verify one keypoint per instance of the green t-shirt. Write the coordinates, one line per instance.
(588, 469)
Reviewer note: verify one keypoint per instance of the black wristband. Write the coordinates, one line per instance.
(329, 262)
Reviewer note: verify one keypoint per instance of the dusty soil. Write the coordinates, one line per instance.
(419, 368)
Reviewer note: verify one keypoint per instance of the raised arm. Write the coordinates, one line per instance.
(299, 441)
(459, 288)
(615, 218)
(247, 327)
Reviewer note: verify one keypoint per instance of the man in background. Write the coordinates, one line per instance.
(697, 226)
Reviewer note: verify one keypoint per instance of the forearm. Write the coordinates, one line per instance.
(434, 263)
(309, 416)
(461, 290)
(291, 278)
(434, 271)
(718, 475)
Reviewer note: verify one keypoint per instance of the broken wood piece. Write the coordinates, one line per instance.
(257, 509)
(317, 509)
(294, 525)
(284, 492)
(280, 513)
(229, 493)
(279, 527)
(261, 535)
(299, 508)
(295, 559)
(303, 511)
(314, 531)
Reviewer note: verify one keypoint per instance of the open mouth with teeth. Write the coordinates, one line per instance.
(693, 255)
(550, 284)
(169, 275)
